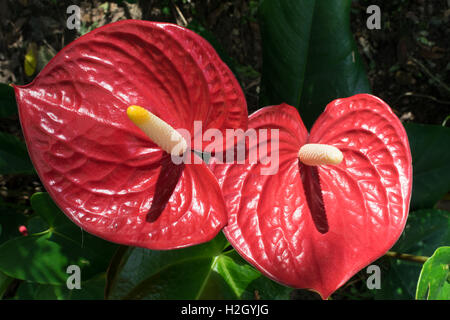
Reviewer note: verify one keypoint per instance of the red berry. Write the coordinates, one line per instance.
(23, 230)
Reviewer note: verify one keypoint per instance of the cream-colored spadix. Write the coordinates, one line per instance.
(314, 154)
(159, 131)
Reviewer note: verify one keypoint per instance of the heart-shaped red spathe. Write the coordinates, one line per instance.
(100, 168)
(310, 234)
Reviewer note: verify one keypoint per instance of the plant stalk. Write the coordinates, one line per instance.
(406, 257)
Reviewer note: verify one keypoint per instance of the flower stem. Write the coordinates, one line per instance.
(407, 257)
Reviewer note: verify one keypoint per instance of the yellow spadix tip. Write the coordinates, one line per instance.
(138, 115)
(157, 130)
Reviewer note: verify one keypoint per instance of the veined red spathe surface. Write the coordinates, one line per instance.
(315, 227)
(99, 168)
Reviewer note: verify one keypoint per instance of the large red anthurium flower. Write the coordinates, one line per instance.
(339, 199)
(107, 173)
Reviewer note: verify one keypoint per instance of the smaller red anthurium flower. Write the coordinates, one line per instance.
(338, 201)
(114, 177)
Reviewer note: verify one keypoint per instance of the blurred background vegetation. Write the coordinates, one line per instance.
(407, 63)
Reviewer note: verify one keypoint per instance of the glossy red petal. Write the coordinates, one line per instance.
(97, 165)
(366, 198)
(269, 220)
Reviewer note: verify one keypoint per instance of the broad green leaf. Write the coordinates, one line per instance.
(199, 272)
(398, 280)
(434, 280)
(8, 106)
(44, 257)
(242, 281)
(430, 149)
(309, 55)
(13, 155)
(138, 273)
(425, 231)
(232, 277)
(92, 289)
(5, 281)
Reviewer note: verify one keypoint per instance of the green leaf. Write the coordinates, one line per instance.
(234, 276)
(424, 232)
(138, 273)
(434, 280)
(309, 55)
(8, 106)
(5, 281)
(44, 257)
(244, 281)
(92, 289)
(430, 149)
(200, 272)
(13, 155)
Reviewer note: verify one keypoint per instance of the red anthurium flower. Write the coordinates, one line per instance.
(102, 169)
(339, 199)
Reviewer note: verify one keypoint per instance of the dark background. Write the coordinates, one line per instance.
(407, 61)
